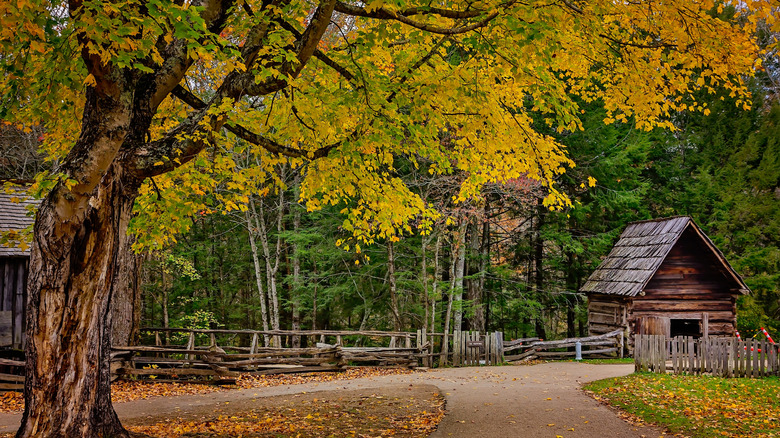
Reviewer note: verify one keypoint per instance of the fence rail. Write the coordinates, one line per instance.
(593, 346)
(719, 356)
(220, 356)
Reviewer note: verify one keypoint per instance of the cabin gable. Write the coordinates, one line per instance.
(689, 288)
(667, 277)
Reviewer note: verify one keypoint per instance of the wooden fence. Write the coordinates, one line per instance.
(473, 348)
(606, 345)
(223, 354)
(719, 356)
(220, 356)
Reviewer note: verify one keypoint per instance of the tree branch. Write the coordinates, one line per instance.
(239, 131)
(402, 16)
(386, 14)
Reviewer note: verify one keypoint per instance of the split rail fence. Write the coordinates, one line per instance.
(718, 356)
(221, 355)
(606, 345)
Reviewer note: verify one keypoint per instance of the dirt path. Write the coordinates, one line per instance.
(510, 401)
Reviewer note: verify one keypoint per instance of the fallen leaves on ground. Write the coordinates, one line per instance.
(258, 381)
(698, 406)
(358, 414)
(123, 391)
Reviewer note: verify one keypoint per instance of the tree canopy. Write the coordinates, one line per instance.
(139, 96)
(354, 86)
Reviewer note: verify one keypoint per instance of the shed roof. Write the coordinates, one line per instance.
(639, 252)
(14, 217)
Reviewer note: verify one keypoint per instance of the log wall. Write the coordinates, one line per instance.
(689, 284)
(13, 277)
(606, 313)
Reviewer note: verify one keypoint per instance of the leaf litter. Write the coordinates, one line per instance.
(406, 412)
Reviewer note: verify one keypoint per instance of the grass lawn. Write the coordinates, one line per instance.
(606, 361)
(697, 406)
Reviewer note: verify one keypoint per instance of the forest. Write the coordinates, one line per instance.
(391, 165)
(503, 261)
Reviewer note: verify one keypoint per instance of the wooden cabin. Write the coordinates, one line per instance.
(14, 261)
(664, 276)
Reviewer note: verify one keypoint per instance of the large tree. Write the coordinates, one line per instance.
(129, 91)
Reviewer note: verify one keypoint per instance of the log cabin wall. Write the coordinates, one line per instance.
(606, 313)
(15, 216)
(13, 278)
(668, 278)
(689, 285)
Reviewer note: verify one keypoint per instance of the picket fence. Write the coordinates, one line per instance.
(718, 356)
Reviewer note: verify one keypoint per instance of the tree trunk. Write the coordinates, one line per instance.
(393, 287)
(458, 271)
(426, 299)
(484, 261)
(539, 271)
(271, 260)
(571, 297)
(295, 292)
(73, 267)
(477, 265)
(126, 302)
(436, 278)
(253, 229)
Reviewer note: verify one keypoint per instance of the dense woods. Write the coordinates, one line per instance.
(504, 262)
(424, 147)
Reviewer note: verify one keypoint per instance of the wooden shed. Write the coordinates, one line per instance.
(14, 261)
(664, 276)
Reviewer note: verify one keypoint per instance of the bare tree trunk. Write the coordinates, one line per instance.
(476, 275)
(271, 260)
(484, 263)
(314, 301)
(393, 287)
(436, 277)
(72, 280)
(295, 292)
(426, 292)
(458, 271)
(539, 270)
(251, 225)
(450, 297)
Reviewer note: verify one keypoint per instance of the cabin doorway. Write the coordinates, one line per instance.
(685, 327)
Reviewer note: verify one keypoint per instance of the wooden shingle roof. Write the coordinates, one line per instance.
(639, 252)
(14, 217)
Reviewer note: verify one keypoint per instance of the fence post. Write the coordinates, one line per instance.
(456, 348)
(500, 336)
(191, 345)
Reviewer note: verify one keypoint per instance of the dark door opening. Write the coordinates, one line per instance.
(685, 327)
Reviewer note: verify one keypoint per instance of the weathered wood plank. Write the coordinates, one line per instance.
(176, 372)
(682, 305)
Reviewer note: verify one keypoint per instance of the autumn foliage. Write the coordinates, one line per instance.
(699, 407)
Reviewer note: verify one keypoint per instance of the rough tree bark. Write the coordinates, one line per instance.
(71, 284)
(126, 302)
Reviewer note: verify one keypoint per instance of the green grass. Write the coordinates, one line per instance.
(607, 361)
(697, 406)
